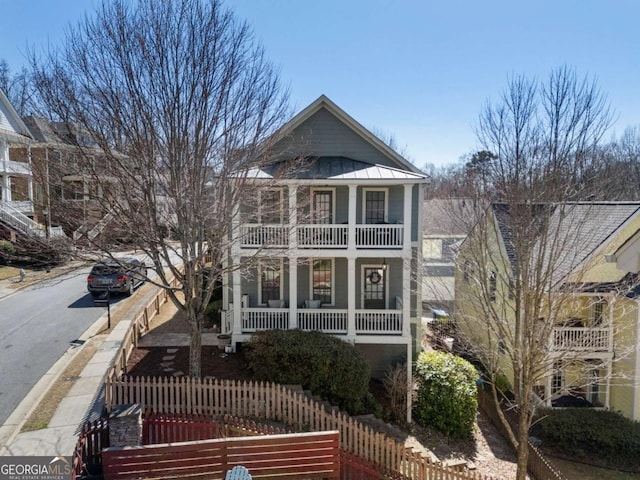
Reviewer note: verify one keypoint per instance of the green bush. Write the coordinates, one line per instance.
(325, 365)
(7, 248)
(585, 432)
(446, 397)
(212, 314)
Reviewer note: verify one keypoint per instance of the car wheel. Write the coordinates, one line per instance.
(131, 287)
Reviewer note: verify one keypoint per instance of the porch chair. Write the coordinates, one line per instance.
(238, 473)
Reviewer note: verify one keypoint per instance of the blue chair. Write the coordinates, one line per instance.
(238, 473)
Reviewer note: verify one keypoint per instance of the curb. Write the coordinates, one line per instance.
(14, 423)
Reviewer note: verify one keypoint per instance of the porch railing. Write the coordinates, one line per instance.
(257, 319)
(255, 235)
(269, 236)
(581, 339)
(334, 321)
(323, 236)
(377, 322)
(324, 320)
(13, 167)
(378, 236)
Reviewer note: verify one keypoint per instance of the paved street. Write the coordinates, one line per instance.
(37, 325)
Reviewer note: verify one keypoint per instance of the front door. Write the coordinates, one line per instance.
(374, 286)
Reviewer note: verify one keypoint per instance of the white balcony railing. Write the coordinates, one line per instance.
(379, 236)
(323, 236)
(15, 168)
(379, 322)
(582, 339)
(255, 235)
(324, 320)
(258, 319)
(327, 320)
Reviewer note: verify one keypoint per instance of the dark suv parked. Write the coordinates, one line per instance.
(122, 275)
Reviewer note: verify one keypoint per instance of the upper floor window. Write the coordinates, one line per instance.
(493, 286)
(375, 205)
(73, 190)
(271, 208)
(322, 206)
(598, 311)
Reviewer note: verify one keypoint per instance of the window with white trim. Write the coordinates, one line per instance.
(271, 207)
(375, 205)
(270, 280)
(322, 280)
(322, 206)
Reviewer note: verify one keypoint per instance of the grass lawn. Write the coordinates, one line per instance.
(572, 470)
(10, 272)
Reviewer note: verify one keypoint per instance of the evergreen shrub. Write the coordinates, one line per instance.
(447, 393)
(328, 367)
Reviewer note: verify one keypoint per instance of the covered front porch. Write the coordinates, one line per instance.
(350, 297)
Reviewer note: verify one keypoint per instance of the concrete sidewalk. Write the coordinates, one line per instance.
(84, 402)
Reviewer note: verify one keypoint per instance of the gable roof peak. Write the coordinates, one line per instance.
(323, 101)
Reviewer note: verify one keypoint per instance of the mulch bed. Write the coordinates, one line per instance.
(215, 363)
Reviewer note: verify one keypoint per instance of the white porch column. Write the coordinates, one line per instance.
(293, 216)
(607, 392)
(353, 196)
(237, 298)
(406, 297)
(6, 187)
(293, 292)
(351, 296)
(409, 381)
(406, 217)
(236, 277)
(30, 179)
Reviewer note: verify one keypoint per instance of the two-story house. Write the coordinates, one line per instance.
(588, 354)
(446, 224)
(332, 244)
(16, 181)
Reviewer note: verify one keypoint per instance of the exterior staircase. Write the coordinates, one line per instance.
(19, 222)
(97, 229)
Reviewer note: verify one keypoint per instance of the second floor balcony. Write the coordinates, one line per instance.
(321, 236)
(582, 339)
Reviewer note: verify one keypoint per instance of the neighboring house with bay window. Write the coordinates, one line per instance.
(332, 244)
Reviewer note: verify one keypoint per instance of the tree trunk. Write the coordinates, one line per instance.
(523, 444)
(195, 353)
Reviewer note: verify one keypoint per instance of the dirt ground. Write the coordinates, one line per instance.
(487, 453)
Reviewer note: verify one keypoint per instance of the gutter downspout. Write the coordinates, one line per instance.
(636, 372)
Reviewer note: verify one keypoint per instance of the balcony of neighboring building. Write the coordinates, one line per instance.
(588, 333)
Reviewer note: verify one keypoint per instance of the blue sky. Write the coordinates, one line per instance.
(417, 70)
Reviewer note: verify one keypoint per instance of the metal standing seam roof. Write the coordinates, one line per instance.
(334, 168)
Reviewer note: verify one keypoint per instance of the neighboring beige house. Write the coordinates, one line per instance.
(446, 224)
(337, 240)
(593, 350)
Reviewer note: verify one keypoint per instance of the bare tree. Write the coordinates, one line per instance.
(18, 88)
(180, 100)
(524, 266)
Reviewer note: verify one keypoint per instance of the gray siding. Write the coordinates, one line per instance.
(416, 205)
(322, 134)
(381, 357)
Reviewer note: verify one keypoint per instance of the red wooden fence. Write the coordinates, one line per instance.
(294, 456)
